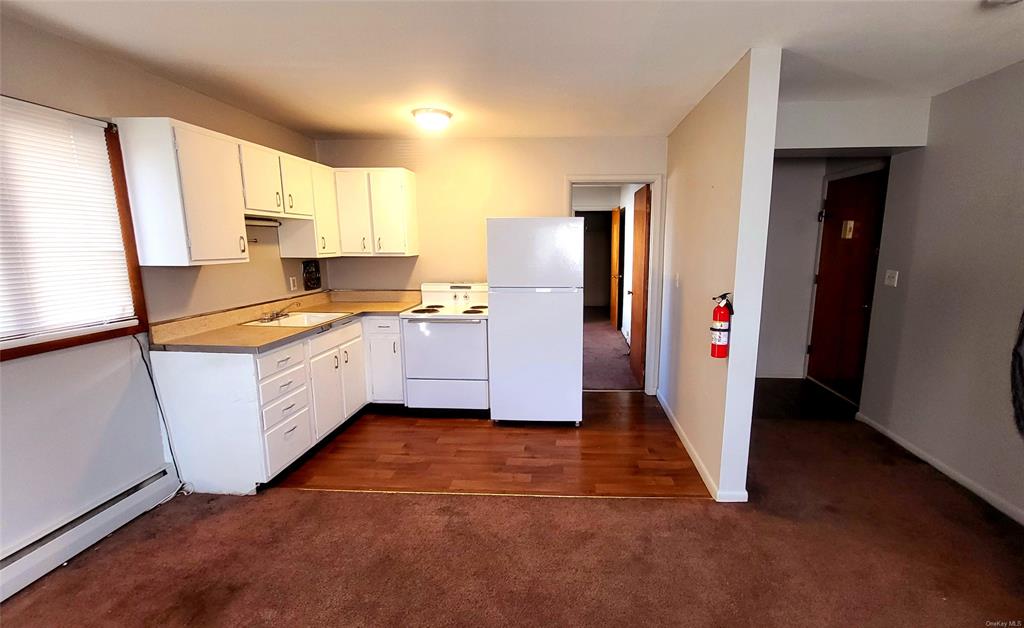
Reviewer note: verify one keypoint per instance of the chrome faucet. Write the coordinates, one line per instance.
(277, 314)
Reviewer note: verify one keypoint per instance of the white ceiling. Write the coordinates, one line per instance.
(532, 69)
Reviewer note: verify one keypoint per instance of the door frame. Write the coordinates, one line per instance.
(854, 171)
(656, 251)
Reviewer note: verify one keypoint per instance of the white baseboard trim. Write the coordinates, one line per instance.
(36, 564)
(705, 475)
(997, 501)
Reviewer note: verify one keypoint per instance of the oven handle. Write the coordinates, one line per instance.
(475, 321)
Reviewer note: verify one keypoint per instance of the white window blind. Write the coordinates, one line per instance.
(63, 271)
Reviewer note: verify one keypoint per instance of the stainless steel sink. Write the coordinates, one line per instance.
(301, 319)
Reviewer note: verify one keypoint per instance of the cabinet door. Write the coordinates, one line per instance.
(353, 376)
(353, 189)
(387, 199)
(297, 181)
(211, 191)
(261, 175)
(325, 202)
(385, 368)
(328, 397)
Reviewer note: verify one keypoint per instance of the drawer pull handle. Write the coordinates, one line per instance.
(287, 408)
(394, 347)
(283, 360)
(383, 326)
(291, 429)
(277, 198)
(336, 362)
(364, 243)
(346, 357)
(291, 202)
(288, 383)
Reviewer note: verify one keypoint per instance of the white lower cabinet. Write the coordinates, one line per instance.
(236, 420)
(384, 353)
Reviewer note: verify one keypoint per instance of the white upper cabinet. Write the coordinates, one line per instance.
(297, 182)
(377, 210)
(353, 188)
(261, 174)
(185, 190)
(319, 237)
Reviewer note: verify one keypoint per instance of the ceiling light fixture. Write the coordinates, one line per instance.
(432, 119)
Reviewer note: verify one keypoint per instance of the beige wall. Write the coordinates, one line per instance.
(461, 182)
(719, 162)
(937, 372)
(49, 70)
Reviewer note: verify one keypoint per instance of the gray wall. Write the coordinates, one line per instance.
(90, 409)
(789, 266)
(49, 70)
(937, 374)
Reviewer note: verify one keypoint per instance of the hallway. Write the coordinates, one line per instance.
(605, 354)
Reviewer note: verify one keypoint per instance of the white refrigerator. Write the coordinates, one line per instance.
(535, 318)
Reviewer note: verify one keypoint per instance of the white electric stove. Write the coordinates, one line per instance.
(445, 344)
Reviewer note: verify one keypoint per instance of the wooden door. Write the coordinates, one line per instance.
(325, 204)
(616, 278)
(211, 190)
(297, 182)
(328, 399)
(353, 376)
(387, 200)
(850, 236)
(353, 189)
(261, 174)
(641, 261)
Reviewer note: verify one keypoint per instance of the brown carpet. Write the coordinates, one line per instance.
(844, 528)
(605, 354)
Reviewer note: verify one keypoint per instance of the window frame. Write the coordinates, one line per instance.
(131, 256)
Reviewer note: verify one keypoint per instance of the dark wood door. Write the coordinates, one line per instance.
(616, 274)
(641, 261)
(850, 237)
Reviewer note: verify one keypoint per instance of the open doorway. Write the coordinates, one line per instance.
(616, 278)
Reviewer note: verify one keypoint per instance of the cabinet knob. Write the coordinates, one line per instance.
(323, 243)
(241, 243)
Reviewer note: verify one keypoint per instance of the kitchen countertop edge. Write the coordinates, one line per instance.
(301, 333)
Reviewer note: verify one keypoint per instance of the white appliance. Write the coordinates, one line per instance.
(444, 339)
(535, 324)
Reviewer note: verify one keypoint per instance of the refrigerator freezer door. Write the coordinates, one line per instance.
(535, 344)
(535, 252)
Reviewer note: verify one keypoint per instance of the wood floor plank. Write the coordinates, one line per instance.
(626, 447)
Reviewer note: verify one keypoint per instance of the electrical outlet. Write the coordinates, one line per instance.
(293, 284)
(892, 277)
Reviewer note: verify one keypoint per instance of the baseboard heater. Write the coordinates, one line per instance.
(26, 564)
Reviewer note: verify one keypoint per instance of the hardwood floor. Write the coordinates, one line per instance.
(626, 447)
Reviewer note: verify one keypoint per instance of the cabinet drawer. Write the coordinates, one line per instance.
(446, 393)
(337, 336)
(277, 361)
(288, 441)
(283, 383)
(285, 407)
(380, 325)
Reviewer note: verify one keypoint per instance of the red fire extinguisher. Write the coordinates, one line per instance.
(720, 318)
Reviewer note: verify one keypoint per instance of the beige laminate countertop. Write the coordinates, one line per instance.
(256, 339)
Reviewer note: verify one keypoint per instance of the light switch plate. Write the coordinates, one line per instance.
(293, 283)
(892, 277)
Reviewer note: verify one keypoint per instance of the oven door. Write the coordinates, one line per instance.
(445, 349)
